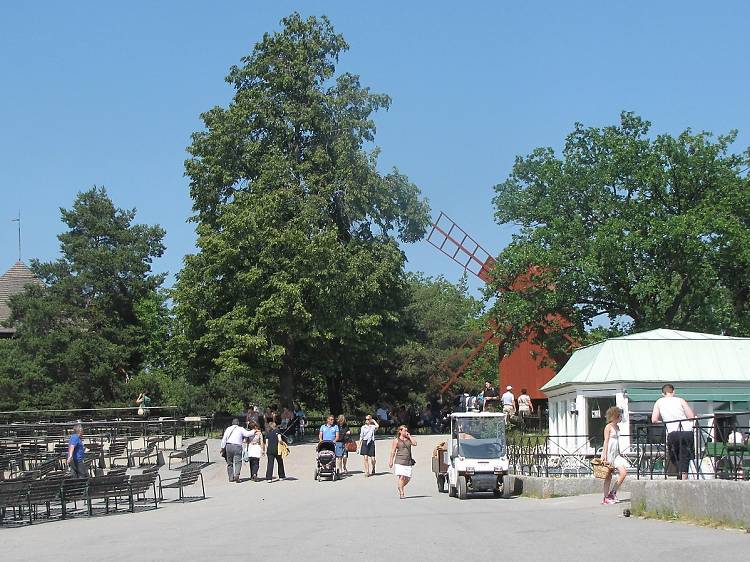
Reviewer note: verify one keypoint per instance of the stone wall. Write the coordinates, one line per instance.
(719, 501)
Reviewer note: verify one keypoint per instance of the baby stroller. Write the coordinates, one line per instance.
(326, 461)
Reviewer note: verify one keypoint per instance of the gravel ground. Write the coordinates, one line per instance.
(363, 518)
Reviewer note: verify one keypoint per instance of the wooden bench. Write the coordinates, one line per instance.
(72, 490)
(43, 492)
(142, 454)
(13, 494)
(140, 484)
(192, 450)
(108, 487)
(189, 475)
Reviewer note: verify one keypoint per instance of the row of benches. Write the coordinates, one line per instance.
(116, 485)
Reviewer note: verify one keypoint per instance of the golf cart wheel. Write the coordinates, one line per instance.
(441, 483)
(452, 492)
(316, 474)
(462, 488)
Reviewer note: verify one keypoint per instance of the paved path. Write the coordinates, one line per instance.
(362, 518)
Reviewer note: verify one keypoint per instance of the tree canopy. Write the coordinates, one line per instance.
(299, 280)
(80, 337)
(642, 230)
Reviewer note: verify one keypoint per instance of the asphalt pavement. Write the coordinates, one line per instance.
(363, 518)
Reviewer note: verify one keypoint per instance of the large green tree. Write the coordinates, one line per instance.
(643, 230)
(80, 337)
(298, 277)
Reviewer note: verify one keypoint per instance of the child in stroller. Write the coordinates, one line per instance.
(325, 466)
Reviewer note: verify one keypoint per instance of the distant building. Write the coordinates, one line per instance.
(12, 282)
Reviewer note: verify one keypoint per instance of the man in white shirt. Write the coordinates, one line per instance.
(231, 444)
(509, 401)
(676, 415)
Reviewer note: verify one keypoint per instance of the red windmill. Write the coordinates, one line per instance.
(523, 368)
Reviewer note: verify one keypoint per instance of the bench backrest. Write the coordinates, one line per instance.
(74, 489)
(195, 448)
(43, 491)
(190, 474)
(13, 493)
(141, 483)
(108, 486)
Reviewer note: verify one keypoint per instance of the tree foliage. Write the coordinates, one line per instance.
(440, 316)
(645, 231)
(298, 281)
(79, 337)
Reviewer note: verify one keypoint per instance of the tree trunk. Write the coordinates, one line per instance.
(333, 390)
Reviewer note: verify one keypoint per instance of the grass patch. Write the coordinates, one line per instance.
(639, 510)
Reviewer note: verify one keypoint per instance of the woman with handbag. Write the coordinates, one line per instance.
(611, 455)
(401, 457)
(274, 438)
(342, 452)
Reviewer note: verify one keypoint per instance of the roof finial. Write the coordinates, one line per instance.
(18, 220)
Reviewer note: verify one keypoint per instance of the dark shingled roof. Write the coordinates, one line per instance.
(13, 282)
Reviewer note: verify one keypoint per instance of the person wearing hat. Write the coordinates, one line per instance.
(509, 401)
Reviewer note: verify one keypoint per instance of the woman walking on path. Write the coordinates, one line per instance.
(401, 457)
(255, 449)
(611, 454)
(367, 444)
(345, 433)
(272, 452)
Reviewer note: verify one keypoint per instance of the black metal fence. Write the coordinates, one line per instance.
(716, 447)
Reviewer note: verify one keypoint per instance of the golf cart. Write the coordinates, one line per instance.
(474, 459)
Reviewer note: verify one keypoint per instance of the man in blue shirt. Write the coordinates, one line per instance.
(76, 453)
(328, 431)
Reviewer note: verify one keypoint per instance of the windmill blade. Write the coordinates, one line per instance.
(475, 349)
(455, 242)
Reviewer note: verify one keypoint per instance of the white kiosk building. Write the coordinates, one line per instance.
(711, 372)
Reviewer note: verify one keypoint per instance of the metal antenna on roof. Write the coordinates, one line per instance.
(18, 220)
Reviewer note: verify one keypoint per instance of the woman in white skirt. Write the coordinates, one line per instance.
(401, 458)
(611, 454)
(255, 447)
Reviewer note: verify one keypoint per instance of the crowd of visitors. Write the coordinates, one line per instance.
(251, 443)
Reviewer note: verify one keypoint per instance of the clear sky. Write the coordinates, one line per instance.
(105, 93)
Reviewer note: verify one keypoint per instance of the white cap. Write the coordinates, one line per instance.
(508, 387)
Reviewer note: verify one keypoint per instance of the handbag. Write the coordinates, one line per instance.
(350, 446)
(283, 449)
(601, 468)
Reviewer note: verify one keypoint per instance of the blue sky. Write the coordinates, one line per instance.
(96, 93)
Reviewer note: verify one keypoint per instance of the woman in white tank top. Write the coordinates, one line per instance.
(611, 454)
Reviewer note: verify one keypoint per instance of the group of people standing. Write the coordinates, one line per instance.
(240, 444)
(250, 445)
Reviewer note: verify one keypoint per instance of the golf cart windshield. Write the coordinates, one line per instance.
(480, 438)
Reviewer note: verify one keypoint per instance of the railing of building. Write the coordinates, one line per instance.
(718, 448)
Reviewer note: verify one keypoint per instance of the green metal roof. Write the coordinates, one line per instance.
(658, 356)
(716, 394)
